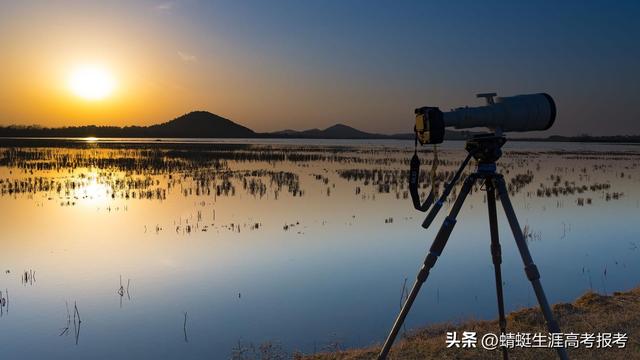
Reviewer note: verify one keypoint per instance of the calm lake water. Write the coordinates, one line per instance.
(303, 244)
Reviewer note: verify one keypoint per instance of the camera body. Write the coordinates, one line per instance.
(429, 127)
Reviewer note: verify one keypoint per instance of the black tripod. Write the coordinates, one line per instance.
(486, 149)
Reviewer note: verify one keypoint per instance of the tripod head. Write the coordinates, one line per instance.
(486, 148)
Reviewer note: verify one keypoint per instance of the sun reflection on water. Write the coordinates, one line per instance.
(94, 191)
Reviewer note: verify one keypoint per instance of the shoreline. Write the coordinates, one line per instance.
(611, 140)
(590, 313)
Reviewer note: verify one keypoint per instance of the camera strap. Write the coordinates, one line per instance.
(434, 167)
(414, 180)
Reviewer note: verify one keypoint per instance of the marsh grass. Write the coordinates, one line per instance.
(64, 170)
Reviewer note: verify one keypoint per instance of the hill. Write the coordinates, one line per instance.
(200, 124)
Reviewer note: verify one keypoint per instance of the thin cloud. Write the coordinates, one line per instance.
(186, 57)
(165, 6)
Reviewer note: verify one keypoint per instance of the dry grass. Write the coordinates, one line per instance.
(590, 313)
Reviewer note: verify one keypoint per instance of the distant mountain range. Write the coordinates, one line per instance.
(198, 124)
(203, 124)
(338, 131)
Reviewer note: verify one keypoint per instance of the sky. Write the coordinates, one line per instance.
(273, 65)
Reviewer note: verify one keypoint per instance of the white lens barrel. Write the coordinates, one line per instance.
(514, 113)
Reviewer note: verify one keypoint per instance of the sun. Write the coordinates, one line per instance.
(91, 82)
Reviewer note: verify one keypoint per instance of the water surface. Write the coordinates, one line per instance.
(300, 243)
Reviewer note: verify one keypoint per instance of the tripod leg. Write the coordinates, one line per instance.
(496, 255)
(447, 190)
(529, 267)
(434, 252)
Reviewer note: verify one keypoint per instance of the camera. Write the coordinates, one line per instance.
(518, 113)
